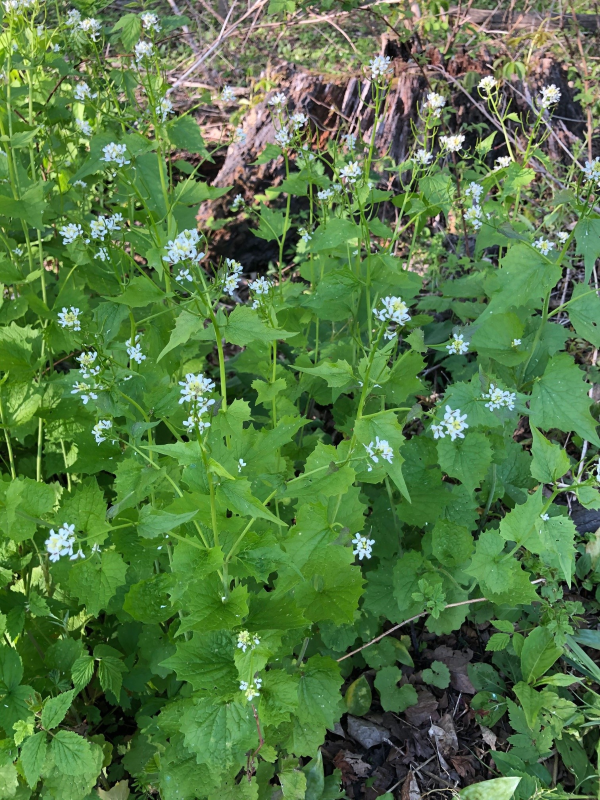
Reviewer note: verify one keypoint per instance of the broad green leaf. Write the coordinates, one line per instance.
(393, 697)
(147, 600)
(110, 674)
(335, 233)
(531, 701)
(128, 29)
(550, 461)
(525, 276)
(187, 326)
(139, 293)
(467, 459)
(333, 588)
(438, 190)
(55, 709)
(155, 523)
(358, 697)
(184, 133)
(496, 789)
(82, 671)
(244, 325)
(293, 784)
(502, 580)
(584, 312)
(452, 544)
(72, 754)
(587, 237)
(321, 475)
(438, 675)
(33, 756)
(319, 704)
(238, 496)
(95, 581)
(278, 697)
(210, 610)
(539, 653)
(206, 661)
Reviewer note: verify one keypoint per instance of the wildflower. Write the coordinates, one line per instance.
(150, 22)
(60, 543)
(194, 421)
(238, 203)
(143, 50)
(543, 245)
(115, 152)
(163, 109)
(251, 690)
(277, 100)
(516, 342)
(260, 287)
(92, 27)
(455, 424)
(298, 120)
(438, 431)
(73, 18)
(435, 103)
(325, 194)
(550, 95)
(80, 184)
(247, 640)
(195, 387)
(363, 547)
(380, 67)
(241, 464)
(349, 140)
(87, 392)
(473, 216)
(183, 248)
(423, 157)
(86, 364)
(18, 6)
(380, 448)
(502, 162)
(474, 191)
(457, 345)
(545, 517)
(184, 275)
(134, 350)
(96, 548)
(487, 84)
(56, 48)
(591, 170)
(83, 92)
(228, 95)
(304, 235)
(562, 236)
(233, 276)
(69, 318)
(394, 310)
(84, 126)
(283, 137)
(102, 254)
(240, 135)
(351, 172)
(452, 143)
(499, 398)
(71, 232)
(99, 429)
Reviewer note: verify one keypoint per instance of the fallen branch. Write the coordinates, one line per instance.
(510, 20)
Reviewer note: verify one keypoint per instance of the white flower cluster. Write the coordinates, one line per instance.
(278, 100)
(543, 245)
(238, 203)
(487, 84)
(92, 27)
(116, 153)
(18, 6)
(260, 288)
(473, 216)
(591, 170)
(502, 162)
(394, 310)
(82, 92)
(87, 392)
(103, 226)
(455, 425)
(71, 232)
(283, 137)
(163, 109)
(304, 234)
(195, 389)
(474, 191)
(457, 345)
(84, 126)
(423, 157)
(549, 96)
(227, 95)
(298, 120)
(69, 318)
(349, 140)
(380, 448)
(86, 364)
(240, 135)
(452, 143)
(247, 641)
(234, 271)
(100, 429)
(351, 172)
(252, 689)
(150, 22)
(325, 194)
(184, 248)
(363, 547)
(60, 543)
(134, 350)
(497, 398)
(435, 103)
(380, 67)
(142, 50)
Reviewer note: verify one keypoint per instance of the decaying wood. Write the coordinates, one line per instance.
(505, 21)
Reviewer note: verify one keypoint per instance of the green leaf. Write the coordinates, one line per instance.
(496, 789)
(155, 523)
(82, 671)
(30, 208)
(539, 653)
(270, 152)
(550, 461)
(334, 588)
(293, 784)
(560, 399)
(337, 374)
(531, 700)
(210, 610)
(206, 661)
(502, 580)
(239, 497)
(587, 237)
(139, 293)
(438, 675)
(244, 325)
(467, 459)
(498, 641)
(358, 697)
(129, 29)
(584, 313)
(96, 580)
(335, 233)
(525, 276)
(184, 133)
(110, 674)
(55, 709)
(147, 600)
(187, 326)
(438, 190)
(321, 475)
(72, 754)
(452, 544)
(319, 704)
(394, 698)
(33, 756)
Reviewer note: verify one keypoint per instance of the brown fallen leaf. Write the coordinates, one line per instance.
(464, 766)
(410, 788)
(489, 737)
(425, 709)
(352, 765)
(444, 735)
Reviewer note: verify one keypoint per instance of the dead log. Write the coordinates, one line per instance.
(506, 21)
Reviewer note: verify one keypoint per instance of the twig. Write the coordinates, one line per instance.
(186, 31)
(418, 616)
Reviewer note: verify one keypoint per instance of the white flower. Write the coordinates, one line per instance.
(550, 95)
(435, 103)
(259, 287)
(251, 690)
(150, 22)
(351, 172)
(473, 216)
(562, 236)
(71, 232)
(380, 448)
(83, 92)
(102, 226)
(283, 137)
(92, 27)
(304, 235)
(183, 248)
(543, 245)
(143, 50)
(298, 120)
(115, 152)
(69, 318)
(487, 84)
(60, 543)
(134, 350)
(423, 157)
(241, 464)
(87, 392)
(238, 203)
(502, 163)
(194, 420)
(362, 546)
(278, 99)
(474, 191)
(240, 135)
(81, 184)
(247, 640)
(499, 398)
(99, 428)
(438, 431)
(86, 364)
(591, 170)
(18, 5)
(394, 310)
(232, 278)
(84, 126)
(381, 67)
(452, 143)
(349, 140)
(457, 345)
(184, 275)
(56, 48)
(325, 194)
(545, 517)
(73, 18)
(102, 254)
(516, 342)
(18, 251)
(96, 548)
(227, 95)
(195, 387)
(455, 424)
(163, 109)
